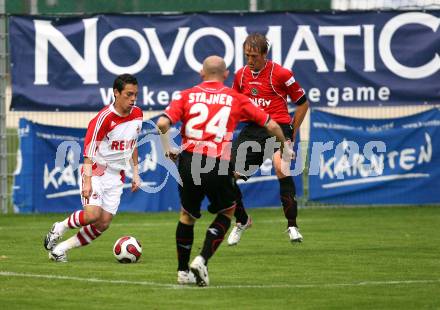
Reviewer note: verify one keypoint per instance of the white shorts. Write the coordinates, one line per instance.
(107, 191)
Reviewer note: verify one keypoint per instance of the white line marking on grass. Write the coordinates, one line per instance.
(177, 286)
(93, 280)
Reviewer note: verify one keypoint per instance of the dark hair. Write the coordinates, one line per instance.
(257, 41)
(122, 80)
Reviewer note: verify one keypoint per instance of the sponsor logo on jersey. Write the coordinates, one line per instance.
(254, 91)
(290, 81)
(122, 145)
(261, 102)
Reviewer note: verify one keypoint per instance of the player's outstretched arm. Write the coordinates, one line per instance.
(164, 124)
(275, 130)
(300, 114)
(286, 150)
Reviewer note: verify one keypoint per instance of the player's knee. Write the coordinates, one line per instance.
(92, 214)
(102, 225)
(281, 167)
(229, 213)
(186, 219)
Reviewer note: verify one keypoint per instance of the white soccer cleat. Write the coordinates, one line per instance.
(52, 237)
(237, 232)
(200, 271)
(186, 277)
(58, 256)
(294, 234)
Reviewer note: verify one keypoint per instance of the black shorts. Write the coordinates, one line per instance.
(247, 161)
(217, 184)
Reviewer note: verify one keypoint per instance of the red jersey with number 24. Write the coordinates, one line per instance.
(210, 112)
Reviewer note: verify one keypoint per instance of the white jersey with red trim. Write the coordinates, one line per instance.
(111, 138)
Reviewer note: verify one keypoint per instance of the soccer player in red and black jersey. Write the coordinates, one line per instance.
(209, 112)
(268, 85)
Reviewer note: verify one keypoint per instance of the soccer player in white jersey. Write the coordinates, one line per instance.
(110, 147)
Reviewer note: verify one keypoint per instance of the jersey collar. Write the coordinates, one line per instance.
(112, 108)
(261, 70)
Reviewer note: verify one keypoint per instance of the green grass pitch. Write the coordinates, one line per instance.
(351, 258)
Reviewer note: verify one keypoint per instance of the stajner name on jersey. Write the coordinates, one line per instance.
(222, 99)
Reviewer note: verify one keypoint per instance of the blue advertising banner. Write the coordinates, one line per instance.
(342, 59)
(48, 173)
(43, 186)
(364, 161)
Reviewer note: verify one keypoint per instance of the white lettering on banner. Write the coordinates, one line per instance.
(304, 34)
(339, 32)
(304, 47)
(49, 177)
(386, 54)
(107, 95)
(207, 31)
(369, 48)
(138, 66)
(335, 95)
(162, 97)
(67, 173)
(240, 34)
(166, 65)
(86, 67)
(348, 162)
(147, 95)
(58, 177)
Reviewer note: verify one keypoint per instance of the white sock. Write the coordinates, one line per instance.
(61, 227)
(72, 242)
(82, 238)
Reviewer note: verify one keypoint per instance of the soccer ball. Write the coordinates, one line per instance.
(127, 250)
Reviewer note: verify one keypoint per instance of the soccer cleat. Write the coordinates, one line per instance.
(294, 234)
(52, 238)
(186, 277)
(200, 271)
(237, 232)
(60, 257)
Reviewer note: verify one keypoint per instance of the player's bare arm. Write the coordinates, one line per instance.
(87, 178)
(164, 125)
(275, 130)
(136, 182)
(300, 113)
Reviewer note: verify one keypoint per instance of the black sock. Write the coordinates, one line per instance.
(215, 235)
(184, 241)
(287, 196)
(240, 212)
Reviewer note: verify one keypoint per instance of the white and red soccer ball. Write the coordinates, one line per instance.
(127, 250)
